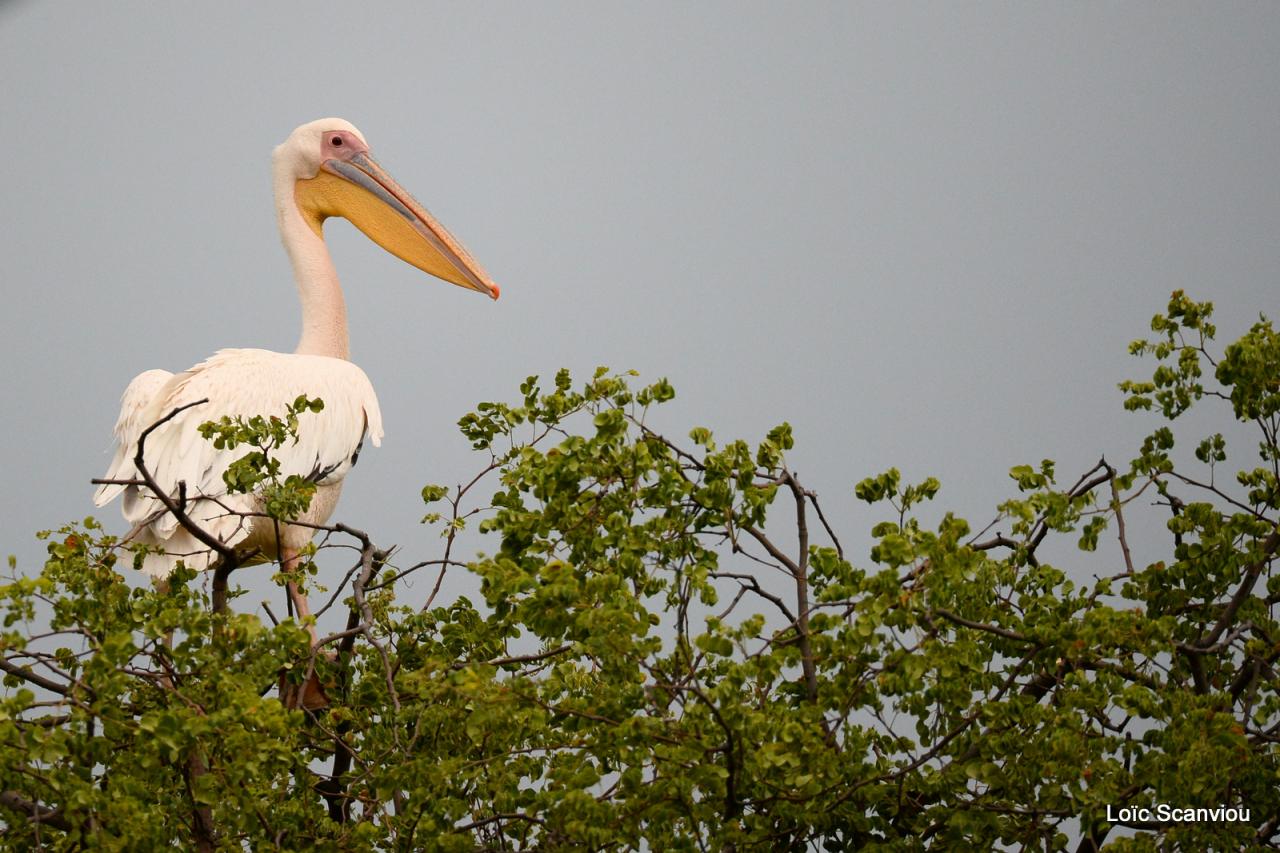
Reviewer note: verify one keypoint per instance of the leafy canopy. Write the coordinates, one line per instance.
(674, 651)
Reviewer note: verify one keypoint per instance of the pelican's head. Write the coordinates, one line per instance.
(333, 175)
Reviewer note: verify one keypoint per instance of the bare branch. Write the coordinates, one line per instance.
(835, 540)
(773, 549)
(1118, 505)
(997, 541)
(749, 582)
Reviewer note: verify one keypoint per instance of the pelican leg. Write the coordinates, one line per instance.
(291, 563)
(161, 586)
(309, 695)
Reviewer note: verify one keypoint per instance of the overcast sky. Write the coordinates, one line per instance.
(924, 234)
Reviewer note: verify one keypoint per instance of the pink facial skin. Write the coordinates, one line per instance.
(341, 145)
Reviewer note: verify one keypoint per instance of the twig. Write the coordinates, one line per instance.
(338, 589)
(813, 499)
(1082, 487)
(997, 541)
(749, 582)
(453, 530)
(550, 653)
(270, 615)
(444, 564)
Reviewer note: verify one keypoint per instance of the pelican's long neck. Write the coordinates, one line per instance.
(324, 312)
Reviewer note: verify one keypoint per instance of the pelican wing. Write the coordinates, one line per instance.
(134, 405)
(236, 382)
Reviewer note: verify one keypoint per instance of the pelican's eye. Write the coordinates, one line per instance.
(340, 145)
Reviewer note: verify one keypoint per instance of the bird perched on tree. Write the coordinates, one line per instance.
(323, 169)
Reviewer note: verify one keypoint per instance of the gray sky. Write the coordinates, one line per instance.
(923, 234)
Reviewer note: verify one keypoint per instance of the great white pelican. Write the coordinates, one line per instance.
(323, 169)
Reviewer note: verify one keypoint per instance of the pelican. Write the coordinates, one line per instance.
(323, 169)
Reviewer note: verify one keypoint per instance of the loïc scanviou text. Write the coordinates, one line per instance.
(1165, 813)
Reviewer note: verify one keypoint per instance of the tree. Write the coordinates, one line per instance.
(674, 651)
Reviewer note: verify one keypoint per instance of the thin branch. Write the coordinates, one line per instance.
(444, 564)
(1209, 487)
(813, 499)
(1117, 506)
(31, 678)
(1082, 487)
(270, 615)
(453, 529)
(33, 811)
(550, 653)
(982, 626)
(1252, 572)
(367, 560)
(732, 805)
(681, 454)
(749, 582)
(226, 552)
(997, 541)
(338, 589)
(476, 824)
(773, 550)
(801, 575)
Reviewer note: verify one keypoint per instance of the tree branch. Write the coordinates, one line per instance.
(33, 811)
(801, 575)
(550, 653)
(1252, 572)
(31, 678)
(201, 816)
(223, 550)
(1118, 507)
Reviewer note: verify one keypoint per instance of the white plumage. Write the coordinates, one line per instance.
(237, 382)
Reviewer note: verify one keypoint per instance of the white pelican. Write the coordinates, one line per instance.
(323, 169)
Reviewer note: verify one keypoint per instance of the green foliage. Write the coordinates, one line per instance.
(674, 651)
(258, 471)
